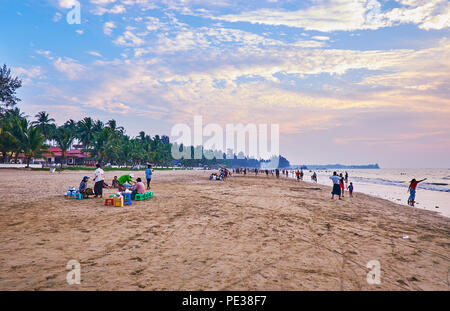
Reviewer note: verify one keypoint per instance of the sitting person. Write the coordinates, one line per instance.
(115, 182)
(140, 188)
(84, 190)
(123, 180)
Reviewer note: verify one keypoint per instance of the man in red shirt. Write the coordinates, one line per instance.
(412, 191)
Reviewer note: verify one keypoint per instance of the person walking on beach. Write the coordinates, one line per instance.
(148, 175)
(314, 177)
(98, 179)
(412, 190)
(277, 172)
(336, 187)
(298, 175)
(301, 174)
(346, 177)
(341, 184)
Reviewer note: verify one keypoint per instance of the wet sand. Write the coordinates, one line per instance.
(247, 233)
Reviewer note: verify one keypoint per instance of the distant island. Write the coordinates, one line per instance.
(337, 166)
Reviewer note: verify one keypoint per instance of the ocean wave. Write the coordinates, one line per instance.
(435, 183)
(434, 188)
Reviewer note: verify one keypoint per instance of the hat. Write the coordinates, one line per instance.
(86, 177)
(131, 175)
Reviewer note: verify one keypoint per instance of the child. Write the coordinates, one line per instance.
(350, 189)
(412, 191)
(341, 184)
(115, 182)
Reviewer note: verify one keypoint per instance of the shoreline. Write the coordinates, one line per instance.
(392, 195)
(247, 233)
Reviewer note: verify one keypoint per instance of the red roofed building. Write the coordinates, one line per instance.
(73, 156)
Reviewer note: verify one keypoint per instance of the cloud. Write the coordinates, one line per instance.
(67, 4)
(321, 38)
(128, 38)
(45, 53)
(108, 28)
(102, 2)
(57, 17)
(116, 9)
(323, 16)
(349, 15)
(433, 14)
(28, 74)
(252, 90)
(95, 53)
(70, 67)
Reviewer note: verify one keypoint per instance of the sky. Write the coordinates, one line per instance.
(348, 81)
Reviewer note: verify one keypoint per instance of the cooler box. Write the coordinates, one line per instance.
(118, 202)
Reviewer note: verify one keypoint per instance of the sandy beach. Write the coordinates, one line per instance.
(247, 233)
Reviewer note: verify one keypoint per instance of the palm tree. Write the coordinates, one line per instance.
(117, 130)
(15, 113)
(64, 137)
(98, 126)
(105, 145)
(7, 140)
(32, 142)
(44, 123)
(85, 133)
(18, 125)
(72, 125)
(141, 136)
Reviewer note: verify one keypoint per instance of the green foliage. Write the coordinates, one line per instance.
(17, 136)
(45, 124)
(64, 137)
(8, 87)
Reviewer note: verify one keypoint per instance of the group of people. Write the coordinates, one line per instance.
(277, 172)
(123, 183)
(223, 174)
(339, 182)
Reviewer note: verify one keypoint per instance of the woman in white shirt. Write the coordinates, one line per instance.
(99, 180)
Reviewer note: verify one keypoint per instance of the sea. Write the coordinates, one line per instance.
(392, 184)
